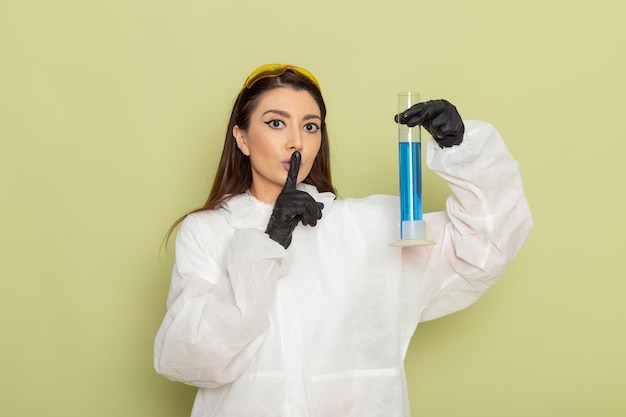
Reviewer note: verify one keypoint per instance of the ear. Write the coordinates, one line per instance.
(240, 138)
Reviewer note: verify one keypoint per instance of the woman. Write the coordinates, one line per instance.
(287, 302)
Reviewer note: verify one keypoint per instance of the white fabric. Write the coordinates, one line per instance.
(322, 328)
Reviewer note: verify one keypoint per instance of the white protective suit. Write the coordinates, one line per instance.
(322, 328)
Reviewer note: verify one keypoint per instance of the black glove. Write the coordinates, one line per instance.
(292, 206)
(439, 117)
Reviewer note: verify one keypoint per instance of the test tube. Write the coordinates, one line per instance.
(413, 230)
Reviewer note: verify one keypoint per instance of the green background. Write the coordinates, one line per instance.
(112, 116)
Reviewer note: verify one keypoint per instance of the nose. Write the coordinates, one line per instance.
(294, 141)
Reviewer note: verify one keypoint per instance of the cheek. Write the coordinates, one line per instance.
(313, 151)
(316, 148)
(259, 147)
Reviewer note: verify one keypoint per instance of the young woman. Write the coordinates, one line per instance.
(285, 301)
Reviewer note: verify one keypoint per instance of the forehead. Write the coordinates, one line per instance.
(289, 100)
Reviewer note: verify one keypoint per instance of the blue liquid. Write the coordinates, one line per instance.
(410, 181)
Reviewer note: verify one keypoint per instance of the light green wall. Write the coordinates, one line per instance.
(111, 120)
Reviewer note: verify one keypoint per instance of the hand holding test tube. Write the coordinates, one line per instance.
(439, 117)
(413, 229)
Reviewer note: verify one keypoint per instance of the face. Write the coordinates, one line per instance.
(284, 121)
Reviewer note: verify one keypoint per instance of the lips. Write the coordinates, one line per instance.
(286, 164)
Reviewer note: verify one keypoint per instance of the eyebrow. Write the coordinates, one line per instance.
(287, 115)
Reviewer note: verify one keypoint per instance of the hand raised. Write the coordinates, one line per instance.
(439, 117)
(292, 207)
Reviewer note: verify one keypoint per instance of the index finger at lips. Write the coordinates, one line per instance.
(294, 168)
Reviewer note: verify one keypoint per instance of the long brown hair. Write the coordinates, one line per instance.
(234, 174)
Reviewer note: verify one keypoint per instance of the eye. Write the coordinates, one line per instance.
(275, 123)
(311, 127)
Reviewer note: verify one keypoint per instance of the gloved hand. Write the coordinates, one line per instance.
(439, 117)
(292, 206)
